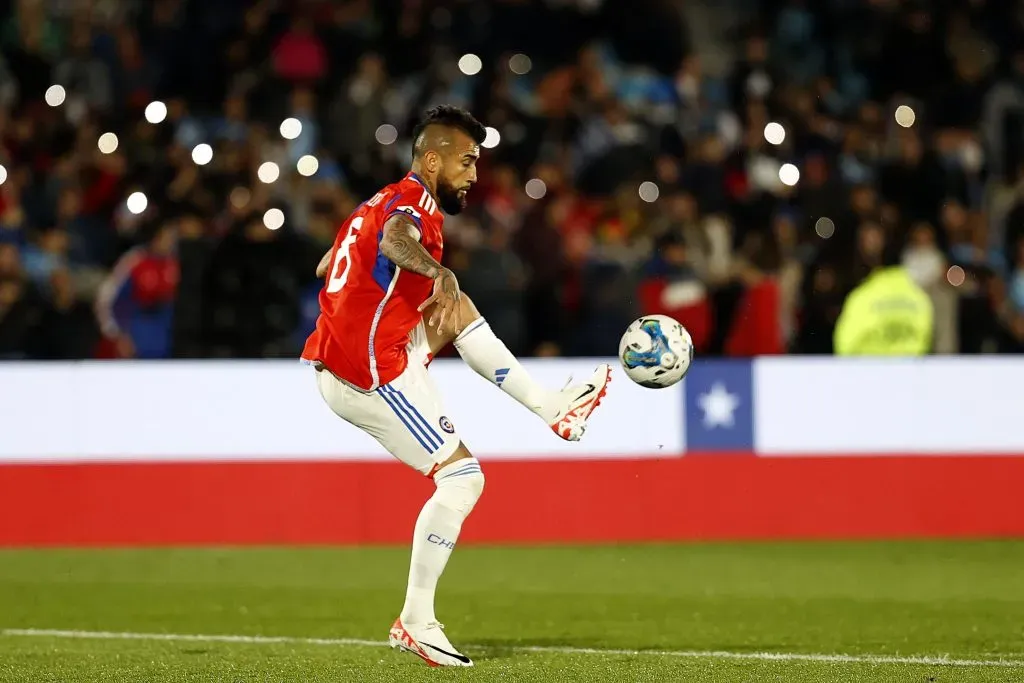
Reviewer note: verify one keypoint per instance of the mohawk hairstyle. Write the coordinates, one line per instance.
(452, 117)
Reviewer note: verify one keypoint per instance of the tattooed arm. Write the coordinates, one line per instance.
(401, 244)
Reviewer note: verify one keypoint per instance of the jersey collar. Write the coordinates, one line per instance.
(412, 176)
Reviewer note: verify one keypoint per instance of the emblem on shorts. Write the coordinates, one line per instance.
(446, 425)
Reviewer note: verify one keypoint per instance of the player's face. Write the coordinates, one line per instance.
(458, 173)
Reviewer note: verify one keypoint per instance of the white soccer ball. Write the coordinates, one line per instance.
(656, 351)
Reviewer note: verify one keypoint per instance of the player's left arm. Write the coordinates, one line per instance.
(325, 262)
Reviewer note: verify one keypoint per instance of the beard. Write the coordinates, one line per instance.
(452, 202)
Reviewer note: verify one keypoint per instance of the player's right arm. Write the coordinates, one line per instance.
(325, 262)
(400, 243)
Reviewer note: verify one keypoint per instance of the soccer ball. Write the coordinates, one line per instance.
(656, 351)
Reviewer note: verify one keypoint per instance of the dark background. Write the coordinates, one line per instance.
(616, 94)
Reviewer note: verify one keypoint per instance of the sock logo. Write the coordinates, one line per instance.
(446, 425)
(499, 375)
(443, 542)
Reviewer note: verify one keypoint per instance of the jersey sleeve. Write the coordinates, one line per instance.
(409, 204)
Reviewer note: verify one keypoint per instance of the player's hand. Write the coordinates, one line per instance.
(445, 300)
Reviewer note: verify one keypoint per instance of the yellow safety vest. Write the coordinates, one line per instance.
(886, 315)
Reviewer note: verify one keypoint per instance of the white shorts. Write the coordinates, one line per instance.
(405, 415)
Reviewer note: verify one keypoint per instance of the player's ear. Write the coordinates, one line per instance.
(433, 161)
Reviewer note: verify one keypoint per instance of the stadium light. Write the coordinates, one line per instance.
(137, 202)
(789, 175)
(905, 116)
(107, 143)
(824, 227)
(386, 134)
(55, 95)
(307, 165)
(774, 133)
(202, 154)
(3, 174)
(535, 188)
(156, 111)
(273, 219)
(268, 172)
(649, 192)
(470, 64)
(520, 64)
(492, 139)
(291, 128)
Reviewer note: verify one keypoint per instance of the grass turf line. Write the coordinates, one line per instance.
(889, 600)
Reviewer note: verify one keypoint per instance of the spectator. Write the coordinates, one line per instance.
(671, 287)
(81, 71)
(496, 277)
(299, 56)
(587, 107)
(757, 324)
(135, 304)
(68, 329)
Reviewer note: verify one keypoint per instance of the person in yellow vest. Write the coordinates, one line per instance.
(888, 314)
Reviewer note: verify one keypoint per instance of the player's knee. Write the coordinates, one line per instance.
(460, 484)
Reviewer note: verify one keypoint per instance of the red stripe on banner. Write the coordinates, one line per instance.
(694, 497)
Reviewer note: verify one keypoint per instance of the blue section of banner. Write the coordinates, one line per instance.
(719, 406)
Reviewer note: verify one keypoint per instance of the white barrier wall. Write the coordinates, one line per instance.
(270, 410)
(933, 405)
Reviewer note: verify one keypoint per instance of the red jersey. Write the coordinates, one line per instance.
(368, 306)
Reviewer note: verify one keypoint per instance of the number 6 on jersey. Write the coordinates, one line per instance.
(337, 281)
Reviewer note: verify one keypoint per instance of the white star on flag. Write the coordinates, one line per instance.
(719, 406)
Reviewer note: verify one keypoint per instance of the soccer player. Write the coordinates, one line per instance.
(387, 307)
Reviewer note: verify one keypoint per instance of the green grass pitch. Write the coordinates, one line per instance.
(915, 611)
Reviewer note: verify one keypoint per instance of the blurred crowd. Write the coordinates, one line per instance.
(633, 168)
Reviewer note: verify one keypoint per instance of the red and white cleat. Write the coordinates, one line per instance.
(428, 642)
(577, 402)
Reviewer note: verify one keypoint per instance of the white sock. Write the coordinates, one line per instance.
(492, 360)
(459, 486)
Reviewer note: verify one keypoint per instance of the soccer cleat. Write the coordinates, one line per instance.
(428, 642)
(577, 402)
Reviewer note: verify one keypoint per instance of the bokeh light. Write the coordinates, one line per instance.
(240, 197)
(107, 143)
(156, 111)
(492, 139)
(273, 219)
(291, 128)
(824, 227)
(307, 165)
(535, 188)
(202, 154)
(470, 64)
(520, 64)
(905, 116)
(268, 172)
(137, 202)
(386, 134)
(55, 95)
(774, 133)
(789, 175)
(649, 192)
